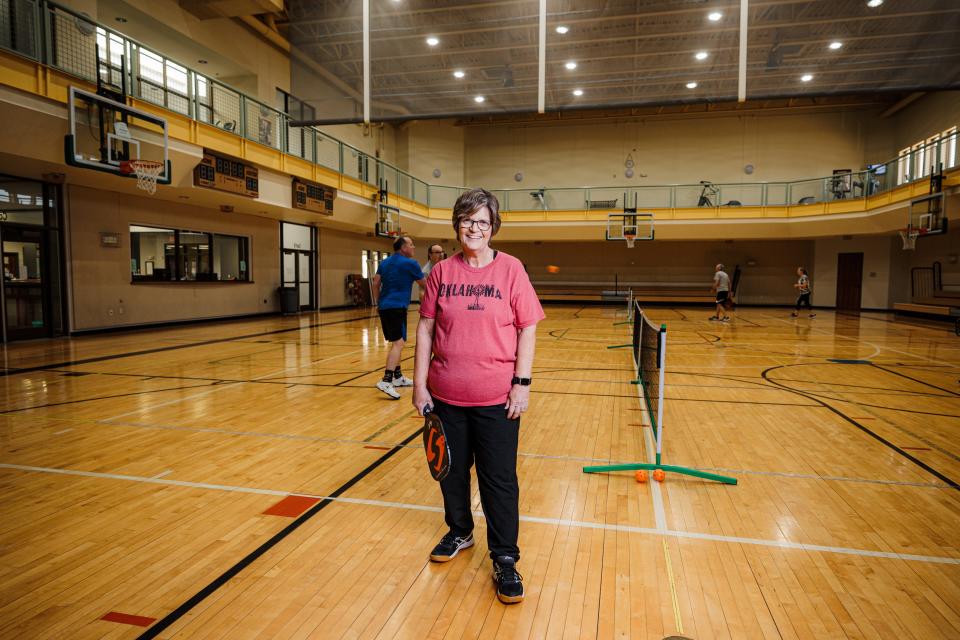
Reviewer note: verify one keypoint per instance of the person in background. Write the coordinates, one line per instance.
(803, 287)
(721, 286)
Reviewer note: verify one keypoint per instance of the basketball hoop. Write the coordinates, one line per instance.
(909, 237)
(630, 238)
(147, 172)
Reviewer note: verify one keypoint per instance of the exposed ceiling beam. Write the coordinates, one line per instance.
(901, 104)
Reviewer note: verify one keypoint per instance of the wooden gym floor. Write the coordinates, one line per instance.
(146, 480)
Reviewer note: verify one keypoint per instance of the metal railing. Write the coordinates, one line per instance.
(70, 42)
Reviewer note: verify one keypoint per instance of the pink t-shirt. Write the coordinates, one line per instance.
(478, 312)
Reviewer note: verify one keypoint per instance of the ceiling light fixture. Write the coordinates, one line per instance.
(691, 85)
(701, 55)
(562, 29)
(479, 99)
(806, 77)
(714, 16)
(571, 65)
(458, 74)
(836, 45)
(873, 4)
(201, 61)
(433, 41)
(120, 19)
(578, 92)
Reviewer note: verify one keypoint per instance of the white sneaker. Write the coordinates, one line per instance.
(388, 389)
(402, 381)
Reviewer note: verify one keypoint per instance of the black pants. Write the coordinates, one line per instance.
(804, 299)
(486, 436)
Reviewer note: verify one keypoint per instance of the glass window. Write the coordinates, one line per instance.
(230, 260)
(948, 148)
(903, 166)
(152, 253)
(171, 255)
(364, 256)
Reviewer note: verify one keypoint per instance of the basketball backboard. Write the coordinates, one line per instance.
(629, 227)
(105, 134)
(928, 214)
(388, 221)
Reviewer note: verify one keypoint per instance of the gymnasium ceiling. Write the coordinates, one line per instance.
(627, 53)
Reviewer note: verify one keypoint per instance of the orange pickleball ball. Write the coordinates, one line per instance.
(659, 475)
(640, 475)
(552, 268)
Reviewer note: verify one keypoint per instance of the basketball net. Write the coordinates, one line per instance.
(147, 172)
(630, 238)
(909, 238)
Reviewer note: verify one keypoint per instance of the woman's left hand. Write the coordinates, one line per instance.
(518, 401)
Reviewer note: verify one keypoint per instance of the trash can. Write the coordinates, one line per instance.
(289, 300)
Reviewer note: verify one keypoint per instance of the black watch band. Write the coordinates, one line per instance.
(523, 382)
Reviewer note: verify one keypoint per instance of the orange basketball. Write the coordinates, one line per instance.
(659, 475)
(552, 268)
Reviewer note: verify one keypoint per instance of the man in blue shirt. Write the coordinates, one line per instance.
(392, 287)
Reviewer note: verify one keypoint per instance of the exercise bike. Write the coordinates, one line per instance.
(707, 194)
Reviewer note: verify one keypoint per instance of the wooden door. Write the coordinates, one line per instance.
(849, 281)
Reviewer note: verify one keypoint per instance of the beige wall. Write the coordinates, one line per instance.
(933, 113)
(879, 268)
(339, 257)
(102, 294)
(432, 144)
(781, 147)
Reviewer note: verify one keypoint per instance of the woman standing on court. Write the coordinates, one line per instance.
(803, 287)
(478, 320)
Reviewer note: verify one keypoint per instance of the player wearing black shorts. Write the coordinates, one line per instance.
(392, 286)
(803, 286)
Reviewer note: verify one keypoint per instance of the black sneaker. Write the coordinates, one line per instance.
(449, 546)
(509, 582)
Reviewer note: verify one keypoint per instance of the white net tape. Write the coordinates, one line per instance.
(147, 174)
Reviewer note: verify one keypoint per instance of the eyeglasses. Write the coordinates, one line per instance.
(482, 225)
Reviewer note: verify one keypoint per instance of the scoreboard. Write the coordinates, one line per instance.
(314, 197)
(225, 174)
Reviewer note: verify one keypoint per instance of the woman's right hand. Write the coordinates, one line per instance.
(421, 398)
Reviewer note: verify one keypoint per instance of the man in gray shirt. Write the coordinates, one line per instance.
(721, 285)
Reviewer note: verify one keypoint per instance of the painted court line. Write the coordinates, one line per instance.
(560, 522)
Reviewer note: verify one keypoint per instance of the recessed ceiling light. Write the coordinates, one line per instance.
(578, 92)
(836, 45)
(806, 77)
(691, 85)
(120, 19)
(432, 41)
(701, 55)
(458, 74)
(874, 3)
(562, 29)
(201, 61)
(571, 65)
(479, 99)
(715, 16)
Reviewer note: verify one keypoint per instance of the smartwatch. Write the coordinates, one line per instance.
(523, 382)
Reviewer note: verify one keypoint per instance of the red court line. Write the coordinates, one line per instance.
(291, 506)
(126, 618)
(370, 446)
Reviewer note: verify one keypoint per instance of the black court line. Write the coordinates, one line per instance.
(119, 395)
(357, 377)
(927, 384)
(251, 557)
(615, 395)
(920, 463)
(143, 352)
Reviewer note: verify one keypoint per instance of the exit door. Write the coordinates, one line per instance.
(849, 281)
(296, 273)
